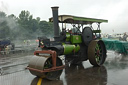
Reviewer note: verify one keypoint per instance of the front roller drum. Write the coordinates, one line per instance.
(96, 52)
(41, 63)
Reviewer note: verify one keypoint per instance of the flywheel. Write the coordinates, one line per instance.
(87, 35)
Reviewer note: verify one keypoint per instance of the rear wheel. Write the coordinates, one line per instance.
(96, 52)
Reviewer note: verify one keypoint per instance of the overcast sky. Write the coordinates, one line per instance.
(115, 11)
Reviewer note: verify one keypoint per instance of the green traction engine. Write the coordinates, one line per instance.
(77, 42)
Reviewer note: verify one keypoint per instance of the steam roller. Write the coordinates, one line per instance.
(77, 44)
(46, 65)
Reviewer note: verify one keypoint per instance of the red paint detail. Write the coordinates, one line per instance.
(47, 70)
(54, 67)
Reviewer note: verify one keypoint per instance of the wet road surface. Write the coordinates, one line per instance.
(114, 72)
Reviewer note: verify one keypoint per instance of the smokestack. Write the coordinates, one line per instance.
(55, 22)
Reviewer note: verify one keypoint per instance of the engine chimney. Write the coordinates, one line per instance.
(55, 22)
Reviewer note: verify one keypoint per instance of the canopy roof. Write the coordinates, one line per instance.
(77, 20)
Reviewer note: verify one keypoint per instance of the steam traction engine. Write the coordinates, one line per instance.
(78, 44)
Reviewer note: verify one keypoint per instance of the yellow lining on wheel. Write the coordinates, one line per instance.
(39, 81)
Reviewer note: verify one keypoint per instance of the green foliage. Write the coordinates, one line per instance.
(46, 27)
(2, 14)
(4, 30)
(24, 26)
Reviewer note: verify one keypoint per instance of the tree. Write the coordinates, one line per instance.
(23, 19)
(2, 15)
(4, 28)
(46, 28)
(13, 26)
(24, 26)
(33, 27)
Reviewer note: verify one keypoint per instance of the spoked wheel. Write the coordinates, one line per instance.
(96, 52)
(54, 74)
(42, 63)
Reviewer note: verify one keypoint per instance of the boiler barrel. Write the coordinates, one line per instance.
(69, 49)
